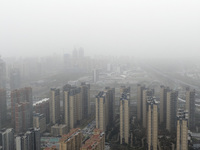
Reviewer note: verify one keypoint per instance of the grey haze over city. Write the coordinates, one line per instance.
(108, 27)
(99, 75)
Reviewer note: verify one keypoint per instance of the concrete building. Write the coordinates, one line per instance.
(22, 98)
(42, 107)
(105, 109)
(95, 75)
(85, 94)
(39, 121)
(172, 98)
(140, 89)
(72, 105)
(190, 107)
(71, 141)
(146, 94)
(7, 139)
(95, 142)
(110, 101)
(22, 117)
(124, 116)
(15, 79)
(152, 124)
(182, 131)
(163, 104)
(101, 122)
(2, 74)
(54, 105)
(59, 130)
(3, 107)
(29, 140)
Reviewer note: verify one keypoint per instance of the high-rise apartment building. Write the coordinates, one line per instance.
(71, 141)
(140, 89)
(2, 74)
(110, 100)
(101, 111)
(72, 105)
(95, 142)
(3, 107)
(190, 107)
(22, 117)
(15, 79)
(163, 104)
(124, 116)
(54, 106)
(21, 100)
(85, 94)
(7, 139)
(152, 124)
(29, 140)
(145, 96)
(39, 121)
(172, 98)
(59, 129)
(104, 108)
(42, 107)
(182, 131)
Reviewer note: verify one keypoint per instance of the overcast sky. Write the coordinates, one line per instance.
(120, 27)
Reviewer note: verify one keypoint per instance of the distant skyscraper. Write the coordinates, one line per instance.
(95, 75)
(2, 74)
(104, 108)
(182, 131)
(172, 98)
(39, 121)
(124, 116)
(22, 117)
(55, 105)
(101, 111)
(3, 107)
(190, 107)
(146, 94)
(7, 139)
(72, 105)
(15, 79)
(71, 141)
(110, 99)
(42, 107)
(22, 108)
(139, 101)
(163, 104)
(95, 142)
(152, 124)
(85, 94)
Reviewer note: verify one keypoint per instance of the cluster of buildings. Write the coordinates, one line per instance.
(74, 141)
(171, 117)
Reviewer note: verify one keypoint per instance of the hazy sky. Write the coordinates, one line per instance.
(120, 27)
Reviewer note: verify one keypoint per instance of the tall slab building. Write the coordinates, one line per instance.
(152, 123)
(163, 104)
(54, 105)
(140, 89)
(105, 108)
(172, 98)
(145, 96)
(182, 131)
(125, 116)
(3, 107)
(190, 107)
(22, 109)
